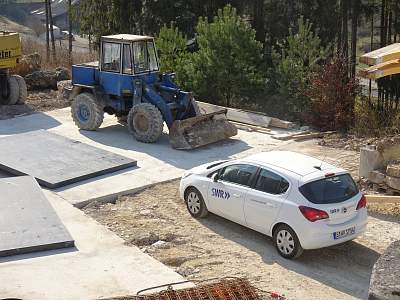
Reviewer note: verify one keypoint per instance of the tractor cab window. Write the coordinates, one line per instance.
(152, 56)
(127, 59)
(145, 58)
(111, 57)
(140, 59)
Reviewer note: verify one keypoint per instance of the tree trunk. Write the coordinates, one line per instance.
(383, 28)
(47, 32)
(258, 20)
(354, 23)
(53, 45)
(345, 32)
(372, 30)
(70, 31)
(339, 26)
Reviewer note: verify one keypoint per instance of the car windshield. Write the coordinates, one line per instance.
(329, 190)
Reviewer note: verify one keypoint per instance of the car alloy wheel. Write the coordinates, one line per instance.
(193, 203)
(285, 242)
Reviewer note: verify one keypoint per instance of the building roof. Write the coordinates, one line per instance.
(127, 37)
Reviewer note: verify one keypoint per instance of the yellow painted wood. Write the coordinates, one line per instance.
(381, 70)
(381, 55)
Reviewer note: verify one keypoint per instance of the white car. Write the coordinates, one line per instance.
(302, 202)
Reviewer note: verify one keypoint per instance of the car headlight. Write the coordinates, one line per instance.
(186, 174)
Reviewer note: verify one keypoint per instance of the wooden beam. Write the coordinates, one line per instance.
(238, 115)
(382, 199)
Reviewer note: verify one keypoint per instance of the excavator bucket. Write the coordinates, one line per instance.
(201, 130)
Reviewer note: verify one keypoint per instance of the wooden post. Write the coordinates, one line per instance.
(70, 31)
(47, 31)
(53, 45)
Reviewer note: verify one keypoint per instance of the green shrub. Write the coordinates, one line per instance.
(294, 61)
(226, 66)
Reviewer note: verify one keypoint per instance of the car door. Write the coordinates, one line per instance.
(264, 200)
(226, 195)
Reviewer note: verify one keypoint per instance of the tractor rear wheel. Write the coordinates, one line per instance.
(14, 90)
(145, 122)
(23, 92)
(87, 113)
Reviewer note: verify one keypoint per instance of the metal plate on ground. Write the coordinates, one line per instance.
(28, 222)
(56, 161)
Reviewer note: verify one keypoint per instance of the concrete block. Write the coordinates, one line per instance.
(370, 160)
(393, 170)
(385, 278)
(393, 182)
(56, 161)
(28, 222)
(376, 177)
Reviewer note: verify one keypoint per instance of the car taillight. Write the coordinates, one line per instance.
(313, 214)
(362, 203)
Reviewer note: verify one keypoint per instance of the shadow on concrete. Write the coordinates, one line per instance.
(118, 136)
(38, 254)
(33, 122)
(346, 267)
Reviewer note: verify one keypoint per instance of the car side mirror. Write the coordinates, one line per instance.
(215, 177)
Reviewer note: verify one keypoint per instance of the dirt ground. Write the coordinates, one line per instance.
(157, 221)
(36, 101)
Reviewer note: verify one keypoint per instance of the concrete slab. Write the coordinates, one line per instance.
(28, 222)
(100, 265)
(56, 161)
(156, 162)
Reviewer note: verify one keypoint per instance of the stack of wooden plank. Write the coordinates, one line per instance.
(383, 62)
(246, 117)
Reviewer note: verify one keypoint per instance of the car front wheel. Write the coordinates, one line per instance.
(287, 242)
(195, 203)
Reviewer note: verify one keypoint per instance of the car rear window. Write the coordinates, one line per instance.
(333, 189)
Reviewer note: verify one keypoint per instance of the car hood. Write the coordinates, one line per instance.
(207, 167)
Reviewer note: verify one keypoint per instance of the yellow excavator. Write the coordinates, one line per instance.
(12, 87)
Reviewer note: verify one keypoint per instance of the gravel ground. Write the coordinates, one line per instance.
(157, 222)
(36, 101)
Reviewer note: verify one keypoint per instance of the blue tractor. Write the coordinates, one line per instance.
(126, 82)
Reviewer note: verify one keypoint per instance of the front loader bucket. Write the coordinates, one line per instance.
(201, 130)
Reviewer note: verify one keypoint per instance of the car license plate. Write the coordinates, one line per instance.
(343, 233)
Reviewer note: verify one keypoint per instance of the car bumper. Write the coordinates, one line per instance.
(318, 236)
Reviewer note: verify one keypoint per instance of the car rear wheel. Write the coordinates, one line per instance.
(195, 203)
(287, 242)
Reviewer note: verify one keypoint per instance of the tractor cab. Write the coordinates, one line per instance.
(128, 54)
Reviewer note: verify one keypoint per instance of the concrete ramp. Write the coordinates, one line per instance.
(28, 222)
(56, 161)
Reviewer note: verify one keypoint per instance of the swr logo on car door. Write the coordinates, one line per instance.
(220, 193)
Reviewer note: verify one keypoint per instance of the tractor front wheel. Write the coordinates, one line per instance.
(145, 122)
(87, 113)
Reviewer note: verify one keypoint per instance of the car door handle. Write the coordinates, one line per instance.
(258, 201)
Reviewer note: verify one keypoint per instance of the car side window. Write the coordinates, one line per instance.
(111, 57)
(127, 60)
(239, 174)
(271, 183)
